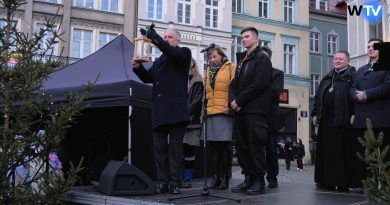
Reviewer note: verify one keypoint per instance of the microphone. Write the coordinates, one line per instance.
(208, 48)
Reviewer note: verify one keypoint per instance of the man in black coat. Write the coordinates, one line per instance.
(170, 116)
(371, 92)
(271, 147)
(250, 96)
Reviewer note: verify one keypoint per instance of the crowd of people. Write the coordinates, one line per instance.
(293, 151)
(241, 108)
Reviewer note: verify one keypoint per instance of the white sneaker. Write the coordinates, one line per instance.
(297, 169)
(301, 170)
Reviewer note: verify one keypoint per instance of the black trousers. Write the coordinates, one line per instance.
(250, 132)
(168, 156)
(271, 159)
(299, 163)
(221, 158)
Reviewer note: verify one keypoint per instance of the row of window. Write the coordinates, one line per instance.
(290, 56)
(104, 5)
(155, 10)
(264, 6)
(82, 40)
(332, 43)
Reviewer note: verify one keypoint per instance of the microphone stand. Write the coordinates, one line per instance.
(205, 191)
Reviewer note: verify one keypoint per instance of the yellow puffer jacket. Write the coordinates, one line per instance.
(217, 99)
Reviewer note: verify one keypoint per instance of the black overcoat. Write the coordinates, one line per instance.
(376, 84)
(251, 87)
(169, 75)
(277, 88)
(343, 105)
(195, 97)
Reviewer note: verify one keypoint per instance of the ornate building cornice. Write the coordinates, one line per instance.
(41, 17)
(196, 38)
(96, 25)
(17, 15)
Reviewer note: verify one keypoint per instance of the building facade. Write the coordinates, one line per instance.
(200, 22)
(87, 25)
(284, 27)
(328, 33)
(357, 41)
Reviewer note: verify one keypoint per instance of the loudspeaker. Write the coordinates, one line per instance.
(121, 178)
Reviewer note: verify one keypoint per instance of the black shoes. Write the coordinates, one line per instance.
(342, 189)
(161, 189)
(174, 189)
(215, 182)
(224, 183)
(257, 187)
(272, 184)
(329, 188)
(241, 188)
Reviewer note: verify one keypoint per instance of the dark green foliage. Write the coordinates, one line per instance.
(376, 185)
(25, 63)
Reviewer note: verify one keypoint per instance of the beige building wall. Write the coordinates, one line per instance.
(358, 33)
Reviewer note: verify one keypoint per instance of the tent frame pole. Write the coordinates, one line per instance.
(129, 130)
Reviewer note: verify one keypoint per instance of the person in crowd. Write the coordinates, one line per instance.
(331, 112)
(193, 130)
(271, 147)
(371, 93)
(299, 154)
(288, 152)
(170, 115)
(250, 95)
(220, 73)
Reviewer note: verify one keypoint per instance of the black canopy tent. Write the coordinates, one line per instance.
(118, 98)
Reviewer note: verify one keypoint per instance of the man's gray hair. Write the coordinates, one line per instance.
(176, 32)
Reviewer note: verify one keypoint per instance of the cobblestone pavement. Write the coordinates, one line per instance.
(293, 175)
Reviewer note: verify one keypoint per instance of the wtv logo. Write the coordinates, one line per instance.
(371, 11)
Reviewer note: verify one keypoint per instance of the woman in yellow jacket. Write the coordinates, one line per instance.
(219, 122)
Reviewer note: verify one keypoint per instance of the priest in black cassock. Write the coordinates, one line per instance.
(332, 111)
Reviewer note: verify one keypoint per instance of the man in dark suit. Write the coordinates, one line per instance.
(371, 91)
(271, 159)
(249, 97)
(170, 115)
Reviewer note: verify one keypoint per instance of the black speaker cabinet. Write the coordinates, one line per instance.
(121, 178)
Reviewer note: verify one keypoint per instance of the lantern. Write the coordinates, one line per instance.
(142, 49)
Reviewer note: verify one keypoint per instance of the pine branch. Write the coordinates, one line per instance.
(376, 185)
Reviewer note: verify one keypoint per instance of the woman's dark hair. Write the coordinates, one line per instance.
(219, 51)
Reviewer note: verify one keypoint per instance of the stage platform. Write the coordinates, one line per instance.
(288, 193)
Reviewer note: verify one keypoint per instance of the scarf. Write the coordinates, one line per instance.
(213, 73)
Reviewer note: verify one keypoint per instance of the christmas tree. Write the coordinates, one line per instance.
(376, 185)
(32, 127)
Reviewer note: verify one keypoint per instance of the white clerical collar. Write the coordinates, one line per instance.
(338, 71)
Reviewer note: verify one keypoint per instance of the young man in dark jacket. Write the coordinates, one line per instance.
(371, 93)
(273, 124)
(249, 97)
(170, 116)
